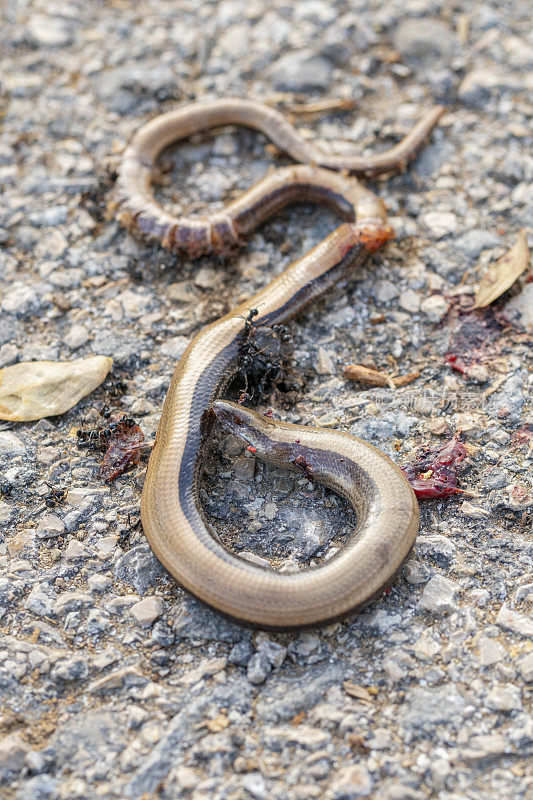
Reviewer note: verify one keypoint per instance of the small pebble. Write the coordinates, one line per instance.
(438, 596)
(258, 669)
(504, 698)
(147, 610)
(351, 782)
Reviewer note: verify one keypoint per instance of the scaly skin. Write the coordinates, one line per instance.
(386, 508)
(221, 232)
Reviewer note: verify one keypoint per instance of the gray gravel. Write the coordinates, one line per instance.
(113, 682)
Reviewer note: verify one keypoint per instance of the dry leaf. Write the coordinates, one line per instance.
(373, 377)
(359, 692)
(37, 389)
(501, 275)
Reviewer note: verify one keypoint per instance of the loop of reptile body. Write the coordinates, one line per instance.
(173, 520)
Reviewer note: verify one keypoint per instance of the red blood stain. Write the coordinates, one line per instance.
(473, 340)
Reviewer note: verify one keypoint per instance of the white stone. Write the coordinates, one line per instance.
(316, 10)
(440, 223)
(75, 550)
(41, 600)
(8, 354)
(105, 546)
(480, 597)
(98, 583)
(525, 665)
(35, 389)
(134, 303)
(185, 777)
(434, 307)
(21, 300)
(7, 513)
(77, 336)
(50, 526)
(468, 509)
(515, 622)
(253, 558)
(526, 590)
(490, 651)
(438, 596)
(477, 86)
(426, 648)
(13, 751)
(351, 782)
(122, 601)
(393, 669)
(384, 291)
(484, 746)
(48, 31)
(504, 698)
(174, 347)
(207, 278)
(10, 445)
(324, 365)
(410, 301)
(147, 610)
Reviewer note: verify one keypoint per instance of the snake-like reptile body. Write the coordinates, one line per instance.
(222, 231)
(173, 520)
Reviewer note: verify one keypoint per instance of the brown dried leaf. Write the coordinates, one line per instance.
(373, 377)
(357, 372)
(501, 275)
(359, 692)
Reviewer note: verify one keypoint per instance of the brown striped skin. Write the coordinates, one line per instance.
(175, 526)
(221, 232)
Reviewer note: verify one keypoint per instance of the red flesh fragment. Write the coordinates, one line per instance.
(373, 237)
(433, 473)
